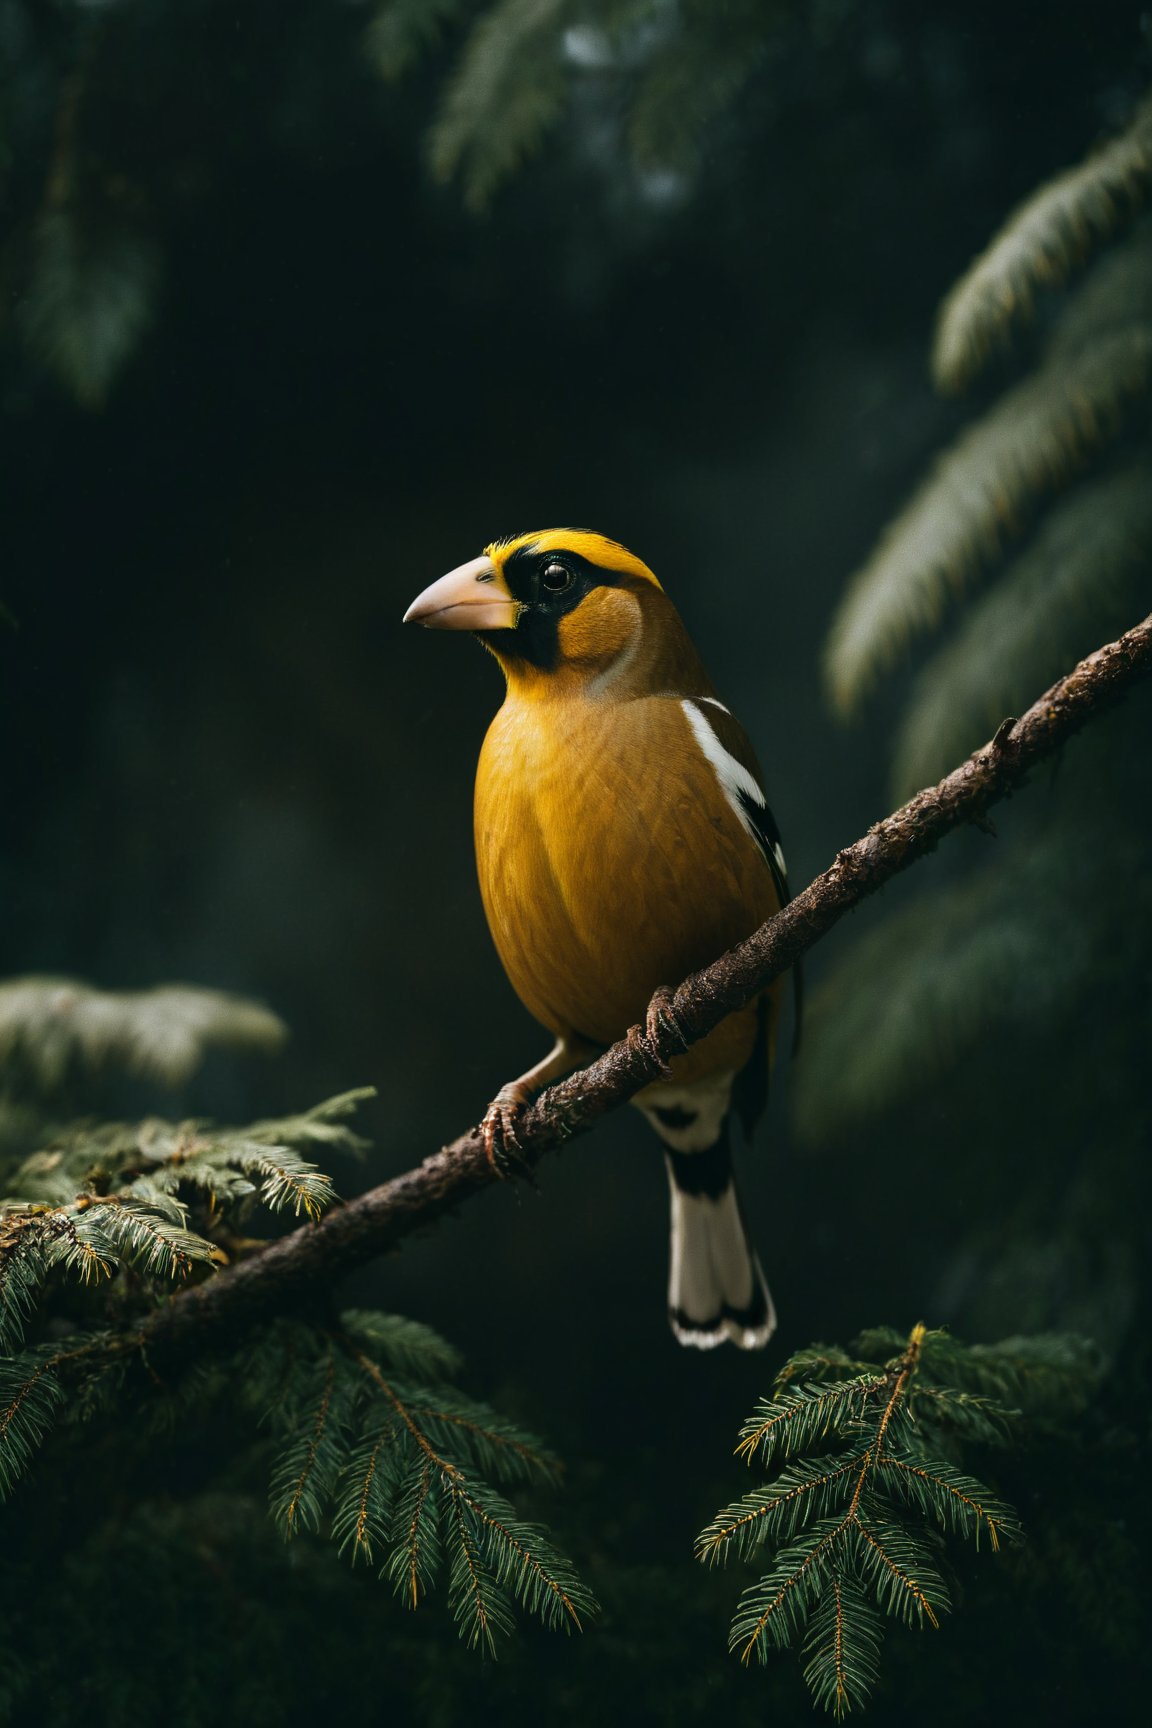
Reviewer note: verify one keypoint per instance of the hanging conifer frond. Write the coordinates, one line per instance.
(88, 301)
(313, 1411)
(504, 1556)
(134, 1234)
(30, 1399)
(981, 495)
(1052, 234)
(287, 1183)
(909, 1000)
(507, 89)
(1041, 1375)
(1084, 576)
(89, 1237)
(50, 1025)
(398, 1468)
(403, 30)
(1040, 941)
(103, 1199)
(691, 74)
(23, 1266)
(664, 72)
(150, 1160)
(1115, 296)
(397, 1465)
(854, 1533)
(325, 1126)
(404, 1346)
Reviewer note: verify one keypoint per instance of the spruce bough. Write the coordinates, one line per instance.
(864, 1451)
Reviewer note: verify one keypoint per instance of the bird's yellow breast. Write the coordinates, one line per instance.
(611, 862)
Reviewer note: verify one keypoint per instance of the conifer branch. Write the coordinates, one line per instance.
(298, 1269)
(294, 1505)
(396, 1472)
(51, 1026)
(1042, 243)
(854, 1534)
(1076, 581)
(982, 494)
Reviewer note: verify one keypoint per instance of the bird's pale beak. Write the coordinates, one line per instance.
(474, 597)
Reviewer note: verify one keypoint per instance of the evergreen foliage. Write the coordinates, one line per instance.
(136, 1209)
(30, 1398)
(81, 269)
(50, 1027)
(131, 1208)
(397, 1466)
(90, 300)
(692, 75)
(507, 90)
(985, 491)
(402, 30)
(1040, 246)
(864, 1453)
(1055, 473)
(377, 1468)
(87, 264)
(374, 1447)
(659, 74)
(1081, 579)
(1001, 947)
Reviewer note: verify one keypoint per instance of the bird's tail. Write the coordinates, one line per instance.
(716, 1289)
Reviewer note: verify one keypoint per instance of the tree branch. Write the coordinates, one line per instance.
(292, 1271)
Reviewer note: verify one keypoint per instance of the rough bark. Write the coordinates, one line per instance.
(301, 1268)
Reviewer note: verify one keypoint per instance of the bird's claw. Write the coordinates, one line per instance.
(659, 1018)
(498, 1132)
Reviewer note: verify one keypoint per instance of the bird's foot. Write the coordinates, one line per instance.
(658, 1019)
(662, 1018)
(498, 1130)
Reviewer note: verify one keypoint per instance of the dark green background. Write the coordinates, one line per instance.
(226, 762)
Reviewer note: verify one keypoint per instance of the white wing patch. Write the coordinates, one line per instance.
(737, 785)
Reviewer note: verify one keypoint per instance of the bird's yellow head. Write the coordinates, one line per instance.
(563, 596)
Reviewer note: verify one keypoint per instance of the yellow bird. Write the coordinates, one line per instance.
(623, 840)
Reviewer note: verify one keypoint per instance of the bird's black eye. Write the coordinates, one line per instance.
(555, 578)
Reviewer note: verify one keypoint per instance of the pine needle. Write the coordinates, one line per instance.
(983, 493)
(690, 76)
(23, 1264)
(662, 74)
(401, 31)
(1051, 235)
(316, 1412)
(1080, 581)
(796, 1420)
(907, 1001)
(507, 89)
(30, 1398)
(404, 1346)
(49, 1025)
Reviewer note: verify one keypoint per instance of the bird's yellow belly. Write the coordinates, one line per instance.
(605, 873)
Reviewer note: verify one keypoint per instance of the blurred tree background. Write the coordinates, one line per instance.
(303, 303)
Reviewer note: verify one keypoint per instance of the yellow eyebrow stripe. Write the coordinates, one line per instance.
(596, 548)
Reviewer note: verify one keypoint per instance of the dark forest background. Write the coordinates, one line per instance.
(226, 763)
